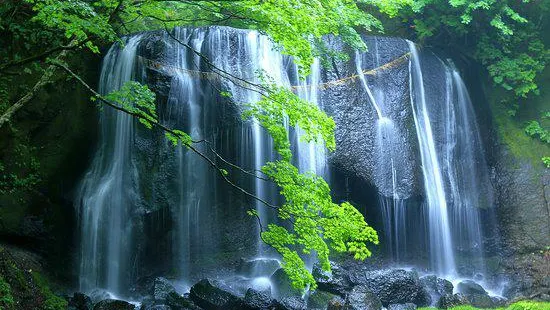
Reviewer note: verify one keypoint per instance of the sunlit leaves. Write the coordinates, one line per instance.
(319, 225)
(503, 38)
(78, 20)
(138, 100)
(279, 106)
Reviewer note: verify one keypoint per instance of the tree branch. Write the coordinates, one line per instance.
(156, 123)
(44, 80)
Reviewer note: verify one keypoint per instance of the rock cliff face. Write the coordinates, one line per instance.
(55, 132)
(522, 195)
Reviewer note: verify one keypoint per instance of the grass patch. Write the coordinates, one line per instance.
(51, 301)
(520, 305)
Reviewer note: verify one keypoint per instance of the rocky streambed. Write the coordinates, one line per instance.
(351, 287)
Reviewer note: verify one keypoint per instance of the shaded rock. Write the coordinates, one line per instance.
(207, 294)
(157, 307)
(450, 300)
(257, 300)
(162, 288)
(469, 287)
(282, 285)
(408, 306)
(481, 301)
(258, 267)
(80, 301)
(291, 303)
(362, 298)
(394, 286)
(336, 281)
(98, 295)
(436, 287)
(114, 304)
(319, 300)
(499, 301)
(179, 302)
(336, 303)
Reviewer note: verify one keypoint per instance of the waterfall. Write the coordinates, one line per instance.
(148, 208)
(441, 245)
(465, 170)
(137, 174)
(105, 199)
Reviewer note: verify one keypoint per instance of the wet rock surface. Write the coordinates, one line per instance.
(362, 298)
(114, 304)
(208, 295)
(394, 286)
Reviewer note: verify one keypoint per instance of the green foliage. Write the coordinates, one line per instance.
(537, 130)
(77, 20)
(503, 35)
(297, 26)
(6, 298)
(520, 305)
(278, 106)
(51, 301)
(138, 100)
(20, 173)
(317, 224)
(534, 129)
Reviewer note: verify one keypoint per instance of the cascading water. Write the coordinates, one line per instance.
(465, 170)
(105, 198)
(389, 160)
(190, 188)
(441, 244)
(146, 207)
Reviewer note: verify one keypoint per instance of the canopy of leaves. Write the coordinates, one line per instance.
(504, 35)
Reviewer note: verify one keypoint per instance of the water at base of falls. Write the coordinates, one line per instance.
(148, 208)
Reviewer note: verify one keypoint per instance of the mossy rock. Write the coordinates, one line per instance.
(21, 287)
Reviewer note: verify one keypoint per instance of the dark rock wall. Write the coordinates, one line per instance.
(60, 124)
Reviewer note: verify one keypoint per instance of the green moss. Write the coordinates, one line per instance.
(51, 301)
(6, 297)
(511, 129)
(520, 305)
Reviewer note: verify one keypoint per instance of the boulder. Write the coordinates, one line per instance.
(499, 301)
(282, 285)
(114, 304)
(209, 295)
(436, 287)
(336, 303)
(335, 282)
(319, 299)
(362, 298)
(98, 295)
(469, 287)
(408, 306)
(162, 288)
(179, 302)
(259, 267)
(291, 303)
(394, 286)
(157, 307)
(80, 301)
(481, 301)
(254, 299)
(450, 300)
